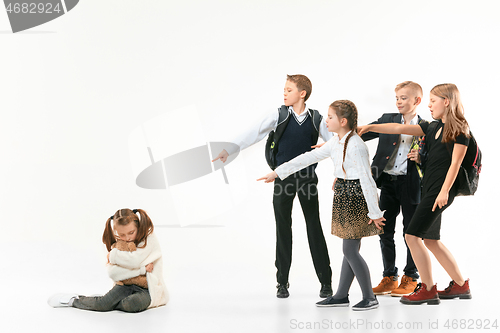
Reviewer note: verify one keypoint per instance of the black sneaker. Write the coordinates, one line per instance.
(326, 291)
(366, 304)
(330, 301)
(282, 290)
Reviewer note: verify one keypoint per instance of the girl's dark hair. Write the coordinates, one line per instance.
(124, 217)
(346, 109)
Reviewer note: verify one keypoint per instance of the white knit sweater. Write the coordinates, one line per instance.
(125, 265)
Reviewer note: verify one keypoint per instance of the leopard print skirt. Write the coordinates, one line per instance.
(350, 211)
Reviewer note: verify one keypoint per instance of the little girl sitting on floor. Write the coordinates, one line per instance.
(146, 260)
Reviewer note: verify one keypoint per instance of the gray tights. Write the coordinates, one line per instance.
(353, 265)
(130, 298)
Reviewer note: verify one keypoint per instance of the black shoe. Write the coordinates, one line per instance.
(330, 301)
(366, 304)
(282, 290)
(326, 291)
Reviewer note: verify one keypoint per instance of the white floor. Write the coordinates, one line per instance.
(221, 279)
(108, 67)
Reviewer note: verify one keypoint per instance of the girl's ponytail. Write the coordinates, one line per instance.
(345, 148)
(108, 237)
(346, 109)
(145, 227)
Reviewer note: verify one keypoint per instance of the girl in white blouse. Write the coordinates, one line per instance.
(355, 212)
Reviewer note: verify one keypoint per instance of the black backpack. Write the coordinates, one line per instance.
(274, 136)
(468, 175)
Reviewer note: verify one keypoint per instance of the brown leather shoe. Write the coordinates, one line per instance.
(388, 284)
(406, 287)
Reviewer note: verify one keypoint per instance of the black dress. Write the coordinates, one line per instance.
(426, 223)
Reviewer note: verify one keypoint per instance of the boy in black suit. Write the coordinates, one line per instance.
(398, 176)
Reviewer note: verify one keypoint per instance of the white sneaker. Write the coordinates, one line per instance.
(61, 300)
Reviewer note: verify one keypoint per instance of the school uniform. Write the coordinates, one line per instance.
(399, 181)
(425, 222)
(355, 203)
(296, 139)
(355, 195)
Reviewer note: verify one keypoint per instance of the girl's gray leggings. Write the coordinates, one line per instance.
(353, 264)
(130, 298)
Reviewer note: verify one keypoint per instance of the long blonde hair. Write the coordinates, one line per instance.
(456, 123)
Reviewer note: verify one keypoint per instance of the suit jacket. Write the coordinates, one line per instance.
(386, 145)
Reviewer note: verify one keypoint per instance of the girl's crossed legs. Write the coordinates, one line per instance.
(128, 298)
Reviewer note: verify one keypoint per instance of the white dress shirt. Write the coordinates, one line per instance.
(269, 123)
(356, 165)
(398, 163)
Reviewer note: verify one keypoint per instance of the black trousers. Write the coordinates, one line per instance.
(305, 186)
(393, 199)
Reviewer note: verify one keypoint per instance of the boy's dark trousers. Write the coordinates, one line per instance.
(304, 184)
(402, 192)
(393, 195)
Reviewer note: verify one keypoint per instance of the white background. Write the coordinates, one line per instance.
(72, 91)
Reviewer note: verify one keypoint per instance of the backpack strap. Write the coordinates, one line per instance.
(283, 114)
(316, 118)
(477, 154)
(283, 118)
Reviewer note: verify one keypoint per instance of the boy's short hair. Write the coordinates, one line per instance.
(302, 82)
(414, 87)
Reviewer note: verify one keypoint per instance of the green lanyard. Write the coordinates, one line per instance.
(415, 144)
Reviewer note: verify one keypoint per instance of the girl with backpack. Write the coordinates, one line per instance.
(446, 141)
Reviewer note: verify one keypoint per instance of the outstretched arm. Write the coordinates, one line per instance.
(223, 155)
(270, 177)
(299, 163)
(373, 135)
(255, 133)
(391, 128)
(302, 161)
